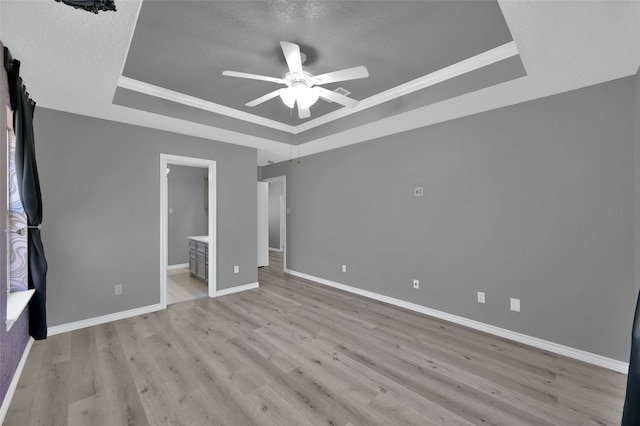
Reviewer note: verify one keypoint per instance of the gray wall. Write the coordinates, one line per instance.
(275, 191)
(101, 198)
(533, 201)
(187, 214)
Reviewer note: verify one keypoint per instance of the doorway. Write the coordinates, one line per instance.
(278, 220)
(210, 238)
(187, 233)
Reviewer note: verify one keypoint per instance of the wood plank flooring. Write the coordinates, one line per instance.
(297, 353)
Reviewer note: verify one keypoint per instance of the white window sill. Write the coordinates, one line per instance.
(16, 302)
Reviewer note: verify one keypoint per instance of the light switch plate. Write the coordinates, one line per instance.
(481, 297)
(236, 269)
(418, 191)
(515, 304)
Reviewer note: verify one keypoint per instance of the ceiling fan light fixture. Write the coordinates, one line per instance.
(303, 88)
(306, 96)
(288, 96)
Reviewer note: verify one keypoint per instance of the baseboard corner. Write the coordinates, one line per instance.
(177, 266)
(237, 289)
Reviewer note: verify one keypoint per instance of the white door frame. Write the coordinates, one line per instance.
(263, 224)
(165, 160)
(283, 217)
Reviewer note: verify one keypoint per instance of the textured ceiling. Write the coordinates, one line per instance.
(72, 61)
(185, 46)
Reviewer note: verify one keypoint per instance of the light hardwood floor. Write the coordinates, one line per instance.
(297, 353)
(181, 286)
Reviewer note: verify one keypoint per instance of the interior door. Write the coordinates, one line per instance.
(263, 224)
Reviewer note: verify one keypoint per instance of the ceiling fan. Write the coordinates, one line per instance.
(302, 87)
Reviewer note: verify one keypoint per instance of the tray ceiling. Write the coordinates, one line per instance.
(79, 63)
(180, 49)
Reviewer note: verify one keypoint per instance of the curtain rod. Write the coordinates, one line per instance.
(12, 66)
(8, 60)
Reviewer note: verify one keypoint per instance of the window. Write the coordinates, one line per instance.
(18, 268)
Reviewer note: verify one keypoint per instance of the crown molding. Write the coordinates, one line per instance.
(473, 63)
(192, 101)
(481, 60)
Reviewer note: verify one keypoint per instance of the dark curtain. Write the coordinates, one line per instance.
(29, 187)
(631, 412)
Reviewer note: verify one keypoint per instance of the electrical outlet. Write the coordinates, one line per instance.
(481, 297)
(418, 191)
(344, 268)
(515, 304)
(118, 289)
(416, 284)
(236, 269)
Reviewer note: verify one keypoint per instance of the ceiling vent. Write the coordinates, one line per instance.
(340, 91)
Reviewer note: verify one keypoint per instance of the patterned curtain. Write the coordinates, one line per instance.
(18, 247)
(29, 187)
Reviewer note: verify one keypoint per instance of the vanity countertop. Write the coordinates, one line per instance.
(201, 239)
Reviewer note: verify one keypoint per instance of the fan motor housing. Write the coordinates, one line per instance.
(295, 79)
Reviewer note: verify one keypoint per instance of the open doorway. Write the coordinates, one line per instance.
(187, 233)
(278, 221)
(193, 259)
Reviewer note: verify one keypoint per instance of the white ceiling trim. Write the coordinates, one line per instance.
(192, 101)
(126, 54)
(481, 60)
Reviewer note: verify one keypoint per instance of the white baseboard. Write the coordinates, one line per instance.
(591, 358)
(237, 289)
(4, 408)
(77, 325)
(178, 266)
(63, 328)
(276, 249)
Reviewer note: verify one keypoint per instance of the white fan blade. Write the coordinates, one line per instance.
(253, 76)
(264, 98)
(342, 75)
(337, 97)
(303, 112)
(292, 56)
